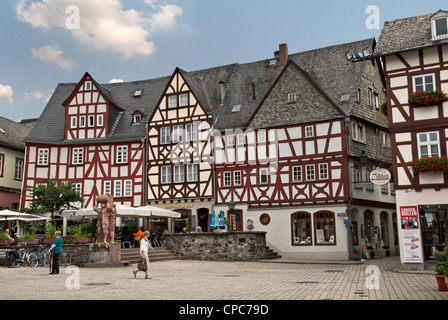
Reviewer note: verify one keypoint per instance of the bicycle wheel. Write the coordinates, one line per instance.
(15, 263)
(32, 260)
(46, 259)
(8, 261)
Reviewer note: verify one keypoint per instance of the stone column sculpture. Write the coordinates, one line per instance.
(105, 228)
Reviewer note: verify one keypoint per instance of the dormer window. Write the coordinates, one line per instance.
(137, 117)
(439, 25)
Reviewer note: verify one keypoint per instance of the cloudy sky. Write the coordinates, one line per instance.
(46, 42)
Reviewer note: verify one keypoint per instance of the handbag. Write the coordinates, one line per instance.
(141, 265)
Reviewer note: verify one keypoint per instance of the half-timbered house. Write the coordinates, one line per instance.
(289, 133)
(94, 136)
(414, 52)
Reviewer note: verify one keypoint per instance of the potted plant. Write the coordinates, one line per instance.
(5, 240)
(434, 164)
(30, 239)
(441, 268)
(383, 108)
(79, 234)
(427, 98)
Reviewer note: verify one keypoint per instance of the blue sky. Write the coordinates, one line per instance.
(46, 42)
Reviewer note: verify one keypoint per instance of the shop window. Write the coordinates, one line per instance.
(301, 228)
(325, 228)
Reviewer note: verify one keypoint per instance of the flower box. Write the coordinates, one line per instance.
(430, 164)
(427, 98)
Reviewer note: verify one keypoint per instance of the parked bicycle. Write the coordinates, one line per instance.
(43, 255)
(21, 255)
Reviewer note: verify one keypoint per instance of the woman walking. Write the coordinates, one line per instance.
(144, 247)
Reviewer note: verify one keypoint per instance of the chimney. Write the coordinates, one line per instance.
(283, 52)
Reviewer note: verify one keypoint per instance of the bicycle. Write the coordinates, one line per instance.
(43, 255)
(20, 255)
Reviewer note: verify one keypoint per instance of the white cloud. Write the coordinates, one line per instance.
(52, 54)
(116, 81)
(103, 24)
(166, 17)
(37, 95)
(6, 94)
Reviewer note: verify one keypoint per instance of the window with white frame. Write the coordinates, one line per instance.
(191, 132)
(78, 187)
(237, 178)
(165, 135)
(227, 179)
(263, 175)
(107, 188)
(127, 188)
(192, 172)
(172, 102)
(117, 188)
(82, 121)
(18, 172)
(358, 131)
(292, 97)
(230, 141)
(99, 120)
(77, 157)
(122, 154)
(91, 121)
(73, 122)
(439, 25)
(178, 134)
(423, 82)
(310, 172)
(165, 174)
(179, 173)
(323, 171)
(369, 186)
(88, 85)
(309, 132)
(42, 158)
(297, 174)
(241, 139)
(428, 144)
(385, 139)
(183, 100)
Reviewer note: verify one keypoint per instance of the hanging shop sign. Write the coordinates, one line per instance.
(380, 176)
(411, 234)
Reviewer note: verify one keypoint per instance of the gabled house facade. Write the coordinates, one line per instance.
(94, 136)
(414, 52)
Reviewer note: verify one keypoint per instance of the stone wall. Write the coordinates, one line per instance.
(218, 246)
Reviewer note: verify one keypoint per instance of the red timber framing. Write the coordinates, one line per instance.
(179, 149)
(286, 169)
(406, 122)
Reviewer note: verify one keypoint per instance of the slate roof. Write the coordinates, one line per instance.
(245, 85)
(12, 133)
(406, 34)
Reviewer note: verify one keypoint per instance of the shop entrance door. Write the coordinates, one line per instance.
(434, 222)
(235, 219)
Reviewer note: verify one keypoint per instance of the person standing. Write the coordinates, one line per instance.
(144, 247)
(56, 250)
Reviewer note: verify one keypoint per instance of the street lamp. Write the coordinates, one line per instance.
(363, 158)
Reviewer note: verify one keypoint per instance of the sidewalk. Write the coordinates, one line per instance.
(190, 280)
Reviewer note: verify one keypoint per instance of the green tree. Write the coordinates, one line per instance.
(48, 196)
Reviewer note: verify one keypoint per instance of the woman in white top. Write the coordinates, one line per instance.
(144, 247)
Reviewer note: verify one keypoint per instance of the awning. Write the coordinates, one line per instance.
(13, 215)
(127, 211)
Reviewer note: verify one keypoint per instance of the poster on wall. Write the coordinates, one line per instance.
(411, 234)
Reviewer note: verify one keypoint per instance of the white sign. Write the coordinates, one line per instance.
(380, 176)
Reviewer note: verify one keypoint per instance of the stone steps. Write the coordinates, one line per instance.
(271, 254)
(132, 255)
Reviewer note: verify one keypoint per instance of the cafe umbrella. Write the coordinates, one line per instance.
(222, 224)
(213, 223)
